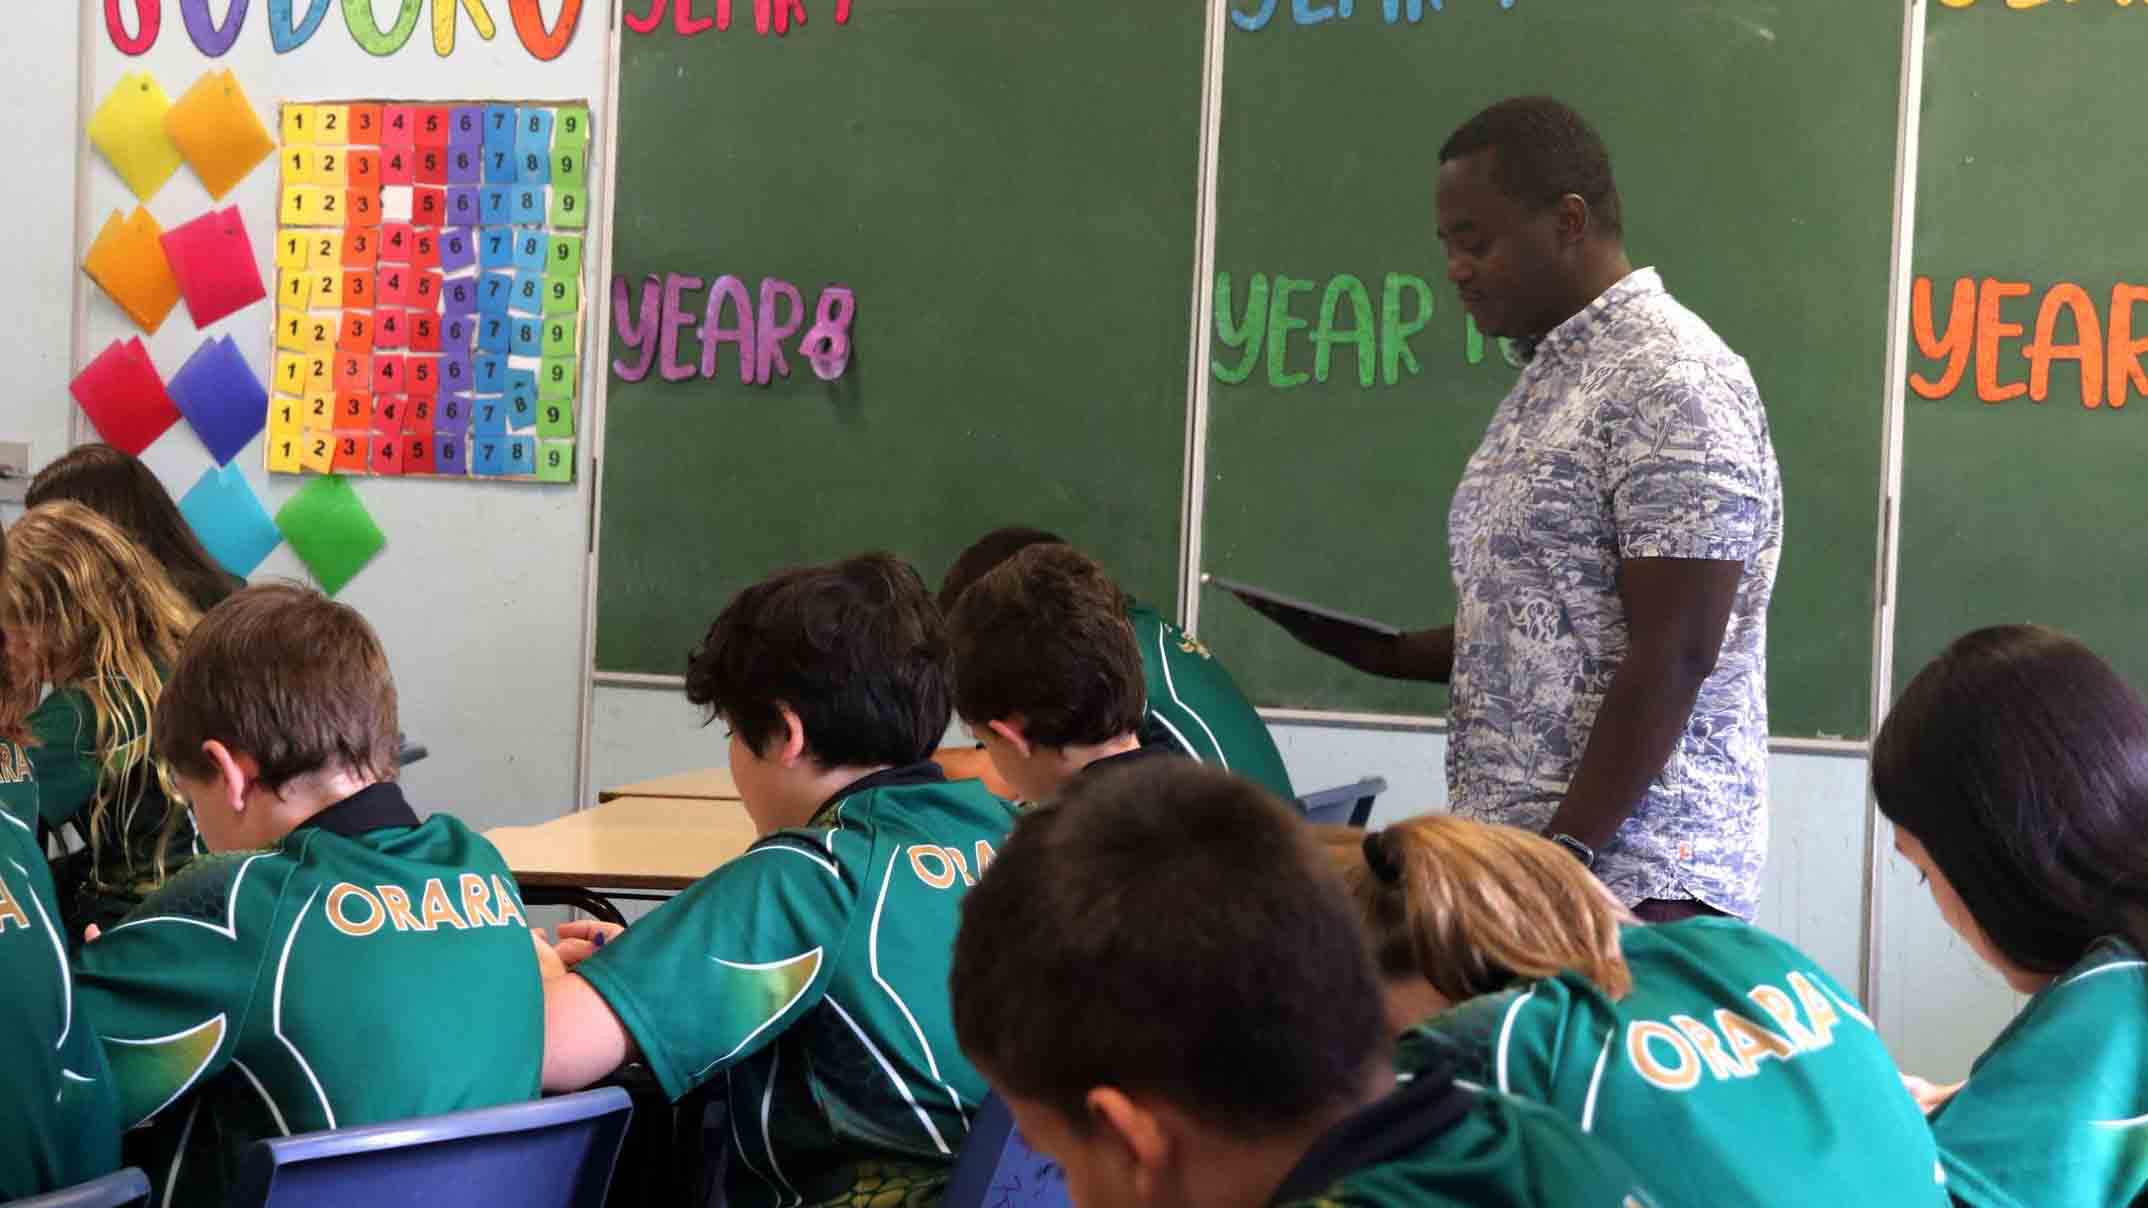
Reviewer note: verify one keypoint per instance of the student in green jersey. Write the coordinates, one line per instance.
(100, 623)
(59, 1124)
(336, 961)
(809, 973)
(1167, 987)
(1191, 702)
(1722, 1062)
(2015, 771)
(1046, 674)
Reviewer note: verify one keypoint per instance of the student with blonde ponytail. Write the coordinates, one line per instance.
(100, 623)
(2015, 771)
(1720, 1061)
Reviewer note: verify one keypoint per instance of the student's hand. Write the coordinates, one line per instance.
(1929, 1095)
(91, 932)
(580, 939)
(549, 965)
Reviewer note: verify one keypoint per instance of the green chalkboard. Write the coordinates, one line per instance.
(2029, 178)
(1754, 147)
(1010, 191)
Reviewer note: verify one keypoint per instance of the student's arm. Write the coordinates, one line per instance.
(1677, 610)
(1425, 655)
(709, 978)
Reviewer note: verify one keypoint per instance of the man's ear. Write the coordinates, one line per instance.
(1133, 1135)
(236, 774)
(1014, 729)
(1573, 219)
(791, 744)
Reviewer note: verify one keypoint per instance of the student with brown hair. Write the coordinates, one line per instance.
(2015, 771)
(1724, 1063)
(1163, 981)
(101, 624)
(120, 488)
(1045, 670)
(337, 961)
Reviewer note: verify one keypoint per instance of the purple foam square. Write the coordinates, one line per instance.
(221, 398)
(458, 250)
(452, 416)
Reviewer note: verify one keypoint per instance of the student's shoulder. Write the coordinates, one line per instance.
(211, 888)
(927, 807)
(1482, 1036)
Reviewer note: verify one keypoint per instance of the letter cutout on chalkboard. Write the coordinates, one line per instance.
(638, 334)
(1953, 345)
(1344, 287)
(2086, 351)
(773, 331)
(544, 44)
(1395, 331)
(728, 290)
(202, 28)
(366, 31)
(2124, 351)
(1244, 334)
(675, 317)
(444, 23)
(286, 37)
(827, 345)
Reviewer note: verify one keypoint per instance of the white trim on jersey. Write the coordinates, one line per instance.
(1177, 735)
(2114, 966)
(1596, 1082)
(738, 1143)
(281, 1125)
(1506, 1034)
(230, 929)
(922, 1116)
(186, 1131)
(216, 1021)
(59, 952)
(1163, 658)
(814, 956)
(797, 851)
(276, 1004)
(768, 1140)
(872, 950)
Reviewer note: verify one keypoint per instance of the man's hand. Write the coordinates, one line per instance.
(1423, 655)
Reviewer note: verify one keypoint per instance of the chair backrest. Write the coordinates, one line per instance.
(548, 1153)
(1350, 804)
(115, 1190)
(997, 1167)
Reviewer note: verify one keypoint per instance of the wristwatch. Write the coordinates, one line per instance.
(1576, 848)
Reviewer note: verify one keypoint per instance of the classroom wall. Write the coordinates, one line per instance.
(1938, 1006)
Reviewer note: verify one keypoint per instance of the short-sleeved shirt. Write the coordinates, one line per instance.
(1736, 1071)
(59, 1121)
(71, 779)
(811, 973)
(368, 967)
(1195, 705)
(2056, 1110)
(1437, 1142)
(1634, 432)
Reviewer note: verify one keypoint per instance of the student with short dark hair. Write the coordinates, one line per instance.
(1721, 1061)
(1191, 702)
(1045, 670)
(59, 1123)
(811, 972)
(1165, 983)
(336, 961)
(117, 486)
(2014, 768)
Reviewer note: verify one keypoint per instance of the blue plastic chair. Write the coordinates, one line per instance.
(997, 1167)
(548, 1153)
(1350, 805)
(115, 1190)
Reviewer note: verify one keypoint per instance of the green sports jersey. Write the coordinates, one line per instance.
(2056, 1110)
(1735, 1072)
(1437, 1142)
(59, 1122)
(812, 971)
(120, 868)
(1194, 703)
(366, 968)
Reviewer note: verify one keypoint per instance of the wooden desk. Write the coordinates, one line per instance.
(708, 784)
(642, 844)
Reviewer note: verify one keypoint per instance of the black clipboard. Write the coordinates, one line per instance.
(1265, 601)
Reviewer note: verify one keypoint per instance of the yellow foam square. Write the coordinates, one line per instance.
(128, 129)
(299, 124)
(290, 373)
(294, 289)
(329, 168)
(286, 417)
(284, 451)
(294, 248)
(319, 414)
(216, 128)
(318, 452)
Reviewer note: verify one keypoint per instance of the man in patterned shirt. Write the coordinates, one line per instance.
(1614, 540)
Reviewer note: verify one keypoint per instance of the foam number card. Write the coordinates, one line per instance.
(283, 452)
(353, 451)
(529, 203)
(555, 417)
(530, 251)
(360, 247)
(488, 455)
(570, 208)
(465, 205)
(457, 252)
(466, 126)
(361, 168)
(128, 130)
(331, 125)
(488, 416)
(216, 129)
(571, 128)
(495, 248)
(364, 124)
(418, 453)
(317, 452)
(528, 298)
(355, 332)
(391, 328)
(556, 379)
(389, 412)
(452, 416)
(562, 294)
(399, 126)
(560, 336)
(388, 454)
(298, 125)
(450, 453)
(568, 169)
(353, 410)
(534, 131)
(555, 461)
(330, 530)
(563, 256)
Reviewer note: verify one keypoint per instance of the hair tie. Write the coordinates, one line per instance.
(1380, 857)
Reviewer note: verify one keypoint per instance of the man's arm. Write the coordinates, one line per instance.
(1423, 655)
(1677, 610)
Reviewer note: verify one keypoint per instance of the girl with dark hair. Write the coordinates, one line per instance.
(2015, 771)
(122, 490)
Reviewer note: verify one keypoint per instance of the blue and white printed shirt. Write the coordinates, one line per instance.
(1634, 432)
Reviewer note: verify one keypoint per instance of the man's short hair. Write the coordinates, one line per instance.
(284, 674)
(1045, 636)
(855, 649)
(1168, 929)
(985, 554)
(1542, 151)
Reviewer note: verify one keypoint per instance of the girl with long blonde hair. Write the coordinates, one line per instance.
(93, 617)
(1721, 1061)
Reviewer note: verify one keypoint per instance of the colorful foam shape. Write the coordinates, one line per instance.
(215, 127)
(221, 398)
(128, 263)
(124, 396)
(214, 262)
(330, 530)
(128, 130)
(224, 512)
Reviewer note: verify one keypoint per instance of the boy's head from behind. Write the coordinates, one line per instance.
(823, 673)
(984, 555)
(1166, 982)
(281, 703)
(1044, 662)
